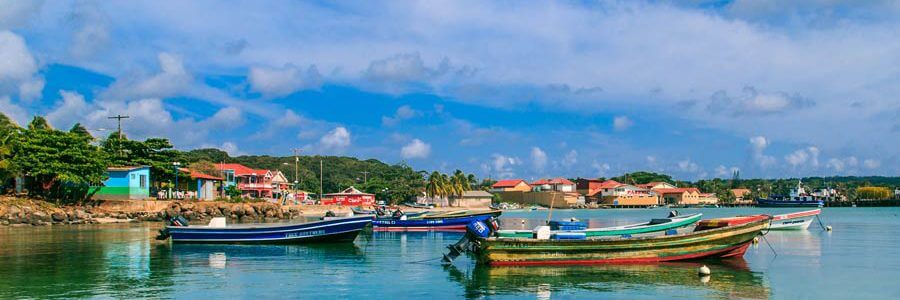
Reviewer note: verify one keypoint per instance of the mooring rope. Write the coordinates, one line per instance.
(820, 223)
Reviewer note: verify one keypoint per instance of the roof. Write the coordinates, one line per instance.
(125, 168)
(558, 180)
(740, 192)
(610, 184)
(241, 170)
(652, 184)
(348, 191)
(677, 190)
(507, 183)
(476, 194)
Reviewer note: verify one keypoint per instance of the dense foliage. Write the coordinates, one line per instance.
(157, 153)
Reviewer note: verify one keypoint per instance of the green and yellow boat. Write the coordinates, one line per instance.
(715, 238)
(654, 225)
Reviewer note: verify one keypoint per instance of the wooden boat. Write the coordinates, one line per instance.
(446, 221)
(333, 229)
(654, 225)
(359, 211)
(794, 221)
(715, 238)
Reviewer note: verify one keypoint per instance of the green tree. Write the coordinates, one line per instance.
(436, 186)
(8, 130)
(59, 165)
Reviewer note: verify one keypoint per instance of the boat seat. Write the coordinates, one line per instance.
(659, 221)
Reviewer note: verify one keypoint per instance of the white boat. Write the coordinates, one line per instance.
(794, 221)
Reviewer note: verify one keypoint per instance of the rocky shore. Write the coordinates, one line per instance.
(22, 212)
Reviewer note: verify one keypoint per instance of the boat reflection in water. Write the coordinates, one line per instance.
(730, 279)
(220, 256)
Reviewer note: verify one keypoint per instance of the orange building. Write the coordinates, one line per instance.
(510, 185)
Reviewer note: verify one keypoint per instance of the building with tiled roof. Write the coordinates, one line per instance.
(256, 183)
(510, 185)
(558, 184)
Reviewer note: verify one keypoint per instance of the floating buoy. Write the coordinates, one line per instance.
(704, 271)
(828, 228)
(756, 240)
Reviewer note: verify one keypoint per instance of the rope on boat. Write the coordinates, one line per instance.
(423, 261)
(770, 244)
(820, 223)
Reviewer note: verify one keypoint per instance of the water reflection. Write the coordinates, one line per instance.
(729, 279)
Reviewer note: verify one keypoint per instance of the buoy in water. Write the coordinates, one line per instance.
(828, 228)
(704, 271)
(756, 240)
(705, 279)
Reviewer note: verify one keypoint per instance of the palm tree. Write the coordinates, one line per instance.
(435, 185)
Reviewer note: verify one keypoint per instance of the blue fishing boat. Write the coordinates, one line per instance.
(798, 198)
(437, 221)
(330, 229)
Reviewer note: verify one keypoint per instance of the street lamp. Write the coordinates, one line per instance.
(176, 164)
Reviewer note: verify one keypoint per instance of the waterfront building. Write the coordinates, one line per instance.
(207, 186)
(510, 185)
(740, 194)
(125, 183)
(472, 199)
(656, 185)
(254, 183)
(558, 184)
(349, 196)
(683, 196)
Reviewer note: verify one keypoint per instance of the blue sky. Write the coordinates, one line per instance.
(695, 89)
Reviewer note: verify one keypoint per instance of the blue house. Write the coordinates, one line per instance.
(125, 183)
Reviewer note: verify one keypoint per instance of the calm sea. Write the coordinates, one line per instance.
(860, 259)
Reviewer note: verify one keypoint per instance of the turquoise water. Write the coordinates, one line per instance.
(860, 259)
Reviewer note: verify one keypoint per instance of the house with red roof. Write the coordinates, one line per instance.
(611, 192)
(350, 197)
(656, 185)
(256, 183)
(510, 185)
(558, 184)
(682, 196)
(205, 186)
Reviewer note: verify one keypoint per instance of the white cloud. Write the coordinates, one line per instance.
(404, 112)
(415, 149)
(336, 139)
(871, 164)
(621, 123)
(502, 166)
(230, 148)
(843, 164)
(570, 158)
(538, 159)
(69, 111)
(688, 166)
(274, 82)
(91, 31)
(172, 80)
(759, 145)
(15, 13)
(13, 111)
(602, 169)
(225, 118)
(723, 172)
(18, 68)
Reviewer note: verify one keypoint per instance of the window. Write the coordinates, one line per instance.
(143, 181)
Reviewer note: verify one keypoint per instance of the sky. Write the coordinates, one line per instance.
(502, 89)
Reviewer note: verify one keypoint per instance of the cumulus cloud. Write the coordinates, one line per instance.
(753, 102)
(13, 111)
(15, 13)
(621, 123)
(274, 82)
(871, 164)
(722, 171)
(501, 166)
(538, 159)
(404, 112)
(758, 146)
(70, 110)
(172, 80)
(843, 164)
(688, 166)
(602, 169)
(570, 158)
(18, 68)
(415, 149)
(802, 157)
(336, 139)
(91, 29)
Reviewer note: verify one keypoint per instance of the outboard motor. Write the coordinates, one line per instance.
(475, 229)
(173, 221)
(397, 214)
(330, 214)
(673, 214)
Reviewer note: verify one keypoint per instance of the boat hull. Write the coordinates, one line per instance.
(780, 203)
(615, 231)
(725, 242)
(329, 231)
(794, 221)
(452, 224)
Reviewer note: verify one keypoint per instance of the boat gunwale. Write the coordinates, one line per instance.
(280, 227)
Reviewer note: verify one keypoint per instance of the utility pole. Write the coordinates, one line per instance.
(365, 177)
(320, 178)
(296, 161)
(119, 120)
